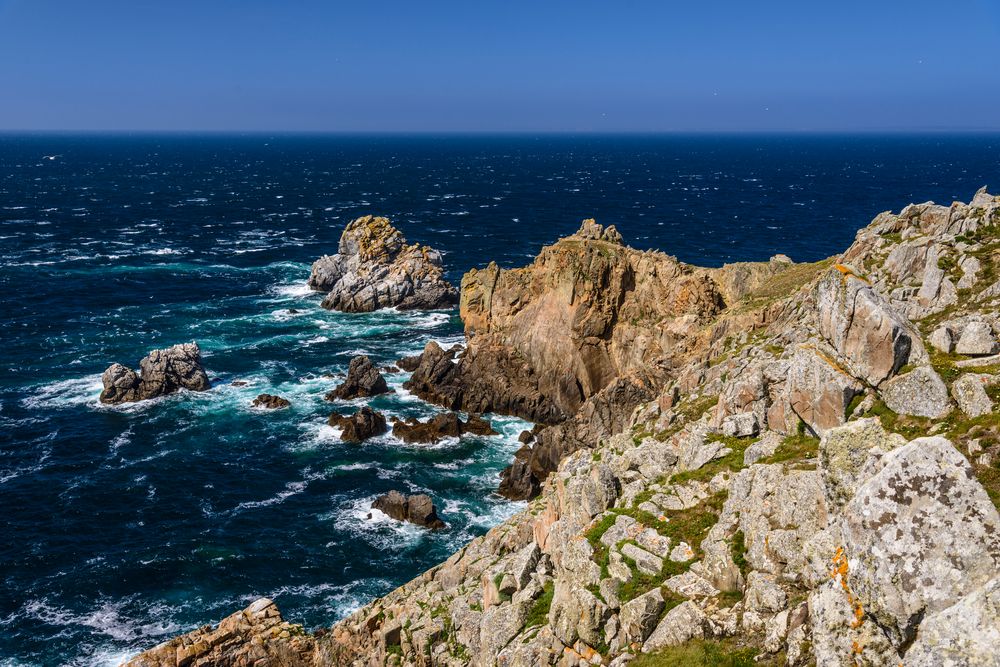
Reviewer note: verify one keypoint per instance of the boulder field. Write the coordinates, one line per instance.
(769, 463)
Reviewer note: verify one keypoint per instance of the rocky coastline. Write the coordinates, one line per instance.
(781, 463)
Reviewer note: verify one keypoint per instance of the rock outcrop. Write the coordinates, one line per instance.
(270, 402)
(363, 380)
(763, 456)
(416, 509)
(363, 424)
(375, 268)
(161, 372)
(441, 425)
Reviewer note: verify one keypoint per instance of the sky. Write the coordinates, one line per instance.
(500, 66)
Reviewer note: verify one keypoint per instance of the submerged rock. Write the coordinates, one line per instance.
(442, 425)
(363, 381)
(416, 509)
(160, 372)
(374, 268)
(363, 424)
(271, 402)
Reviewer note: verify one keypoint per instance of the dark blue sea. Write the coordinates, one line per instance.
(121, 526)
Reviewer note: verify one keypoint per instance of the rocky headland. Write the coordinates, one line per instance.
(766, 463)
(375, 268)
(161, 372)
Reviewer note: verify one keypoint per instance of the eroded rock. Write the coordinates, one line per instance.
(161, 372)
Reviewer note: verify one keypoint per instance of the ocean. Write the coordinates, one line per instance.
(122, 526)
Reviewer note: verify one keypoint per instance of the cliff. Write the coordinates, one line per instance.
(796, 464)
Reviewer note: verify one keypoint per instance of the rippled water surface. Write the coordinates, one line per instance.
(122, 526)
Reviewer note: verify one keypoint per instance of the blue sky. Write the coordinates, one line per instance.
(300, 65)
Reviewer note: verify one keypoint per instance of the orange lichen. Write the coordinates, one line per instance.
(840, 570)
(847, 272)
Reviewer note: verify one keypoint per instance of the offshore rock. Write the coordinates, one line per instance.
(442, 425)
(374, 268)
(270, 402)
(417, 509)
(363, 424)
(363, 380)
(161, 372)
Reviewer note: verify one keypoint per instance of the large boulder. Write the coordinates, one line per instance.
(160, 372)
(969, 391)
(374, 268)
(873, 340)
(818, 390)
(363, 424)
(363, 380)
(416, 509)
(966, 634)
(977, 339)
(921, 393)
(919, 535)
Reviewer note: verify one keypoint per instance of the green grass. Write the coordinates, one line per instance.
(738, 549)
(732, 461)
(798, 447)
(539, 612)
(700, 653)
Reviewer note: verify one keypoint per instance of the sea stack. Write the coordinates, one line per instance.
(374, 268)
(161, 372)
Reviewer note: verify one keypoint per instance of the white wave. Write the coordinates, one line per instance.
(65, 393)
(296, 289)
(108, 617)
(291, 489)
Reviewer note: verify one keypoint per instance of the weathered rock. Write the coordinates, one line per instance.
(256, 635)
(873, 339)
(819, 391)
(441, 425)
(742, 425)
(363, 424)
(416, 509)
(161, 372)
(638, 617)
(374, 268)
(966, 634)
(942, 340)
(919, 535)
(270, 402)
(843, 453)
(683, 623)
(969, 391)
(363, 380)
(977, 339)
(921, 393)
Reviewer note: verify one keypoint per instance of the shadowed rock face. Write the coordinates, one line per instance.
(443, 425)
(161, 372)
(363, 424)
(363, 380)
(374, 268)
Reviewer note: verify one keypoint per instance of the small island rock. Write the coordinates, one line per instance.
(363, 380)
(161, 372)
(270, 402)
(417, 509)
(363, 424)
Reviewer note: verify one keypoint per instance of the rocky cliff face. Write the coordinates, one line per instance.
(375, 268)
(808, 475)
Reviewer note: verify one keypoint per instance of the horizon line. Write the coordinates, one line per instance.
(495, 132)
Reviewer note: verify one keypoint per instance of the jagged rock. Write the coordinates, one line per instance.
(638, 617)
(843, 453)
(441, 425)
(819, 391)
(873, 339)
(969, 391)
(921, 393)
(977, 339)
(764, 447)
(966, 634)
(919, 535)
(374, 268)
(942, 340)
(417, 509)
(363, 380)
(160, 372)
(743, 425)
(256, 635)
(270, 402)
(363, 424)
(683, 623)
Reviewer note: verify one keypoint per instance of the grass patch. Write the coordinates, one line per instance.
(798, 447)
(700, 653)
(732, 461)
(539, 612)
(738, 549)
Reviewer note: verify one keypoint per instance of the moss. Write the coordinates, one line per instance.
(776, 350)
(853, 405)
(539, 612)
(701, 653)
(738, 549)
(909, 427)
